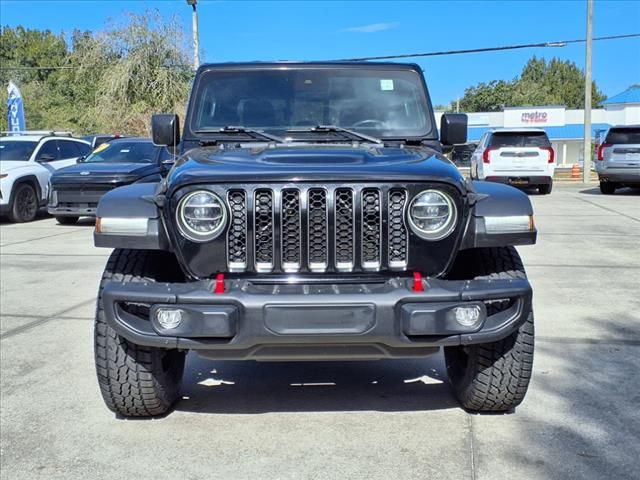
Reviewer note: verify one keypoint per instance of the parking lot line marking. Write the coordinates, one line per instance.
(555, 265)
(56, 254)
(589, 341)
(471, 435)
(38, 238)
(41, 321)
(609, 209)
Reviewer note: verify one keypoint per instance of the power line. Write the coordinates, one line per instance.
(560, 43)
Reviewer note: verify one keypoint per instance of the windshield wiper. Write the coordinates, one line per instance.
(256, 134)
(335, 129)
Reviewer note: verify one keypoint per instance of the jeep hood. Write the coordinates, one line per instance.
(313, 163)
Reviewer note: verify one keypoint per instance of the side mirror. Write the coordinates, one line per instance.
(81, 159)
(453, 128)
(165, 129)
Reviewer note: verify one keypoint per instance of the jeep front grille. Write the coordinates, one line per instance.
(317, 229)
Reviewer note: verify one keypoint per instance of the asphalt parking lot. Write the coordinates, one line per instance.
(376, 420)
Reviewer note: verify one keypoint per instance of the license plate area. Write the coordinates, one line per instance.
(518, 180)
(317, 319)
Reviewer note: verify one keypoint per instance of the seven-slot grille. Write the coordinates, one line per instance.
(317, 229)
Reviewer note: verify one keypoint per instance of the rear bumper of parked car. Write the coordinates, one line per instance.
(265, 321)
(627, 176)
(520, 180)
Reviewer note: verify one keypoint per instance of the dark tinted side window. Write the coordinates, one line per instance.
(623, 135)
(83, 148)
(68, 149)
(519, 139)
(50, 149)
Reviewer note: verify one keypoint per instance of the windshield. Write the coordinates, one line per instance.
(124, 152)
(377, 102)
(623, 136)
(12, 150)
(519, 139)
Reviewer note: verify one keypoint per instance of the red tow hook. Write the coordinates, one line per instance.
(418, 286)
(219, 287)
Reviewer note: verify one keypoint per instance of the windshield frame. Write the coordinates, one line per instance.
(190, 134)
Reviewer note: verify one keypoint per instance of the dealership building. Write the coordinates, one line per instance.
(564, 127)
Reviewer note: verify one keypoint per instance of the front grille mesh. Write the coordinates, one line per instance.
(237, 234)
(291, 226)
(317, 229)
(397, 230)
(345, 224)
(264, 229)
(371, 228)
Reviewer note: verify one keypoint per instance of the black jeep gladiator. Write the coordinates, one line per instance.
(311, 215)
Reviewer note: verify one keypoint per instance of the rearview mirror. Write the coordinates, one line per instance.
(165, 129)
(453, 128)
(81, 159)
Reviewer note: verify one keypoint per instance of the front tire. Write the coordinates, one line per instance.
(67, 220)
(24, 206)
(492, 377)
(607, 188)
(135, 381)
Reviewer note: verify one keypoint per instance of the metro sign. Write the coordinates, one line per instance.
(534, 117)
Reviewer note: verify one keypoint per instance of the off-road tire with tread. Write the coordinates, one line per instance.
(607, 188)
(492, 377)
(135, 380)
(67, 220)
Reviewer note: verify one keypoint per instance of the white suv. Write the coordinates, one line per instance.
(27, 161)
(522, 157)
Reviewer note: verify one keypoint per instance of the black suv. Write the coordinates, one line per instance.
(311, 215)
(74, 191)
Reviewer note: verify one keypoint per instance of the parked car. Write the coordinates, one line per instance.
(618, 160)
(461, 154)
(26, 164)
(311, 215)
(98, 139)
(522, 158)
(75, 191)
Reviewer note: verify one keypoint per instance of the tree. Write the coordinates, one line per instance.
(556, 82)
(112, 81)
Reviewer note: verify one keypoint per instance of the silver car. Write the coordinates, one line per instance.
(618, 163)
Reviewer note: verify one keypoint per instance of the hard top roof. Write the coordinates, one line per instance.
(325, 64)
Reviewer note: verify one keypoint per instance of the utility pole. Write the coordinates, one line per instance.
(586, 174)
(196, 37)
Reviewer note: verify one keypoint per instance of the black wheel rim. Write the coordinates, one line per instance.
(26, 204)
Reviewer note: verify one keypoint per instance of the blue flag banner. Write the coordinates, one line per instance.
(16, 109)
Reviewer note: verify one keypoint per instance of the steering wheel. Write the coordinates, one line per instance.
(369, 123)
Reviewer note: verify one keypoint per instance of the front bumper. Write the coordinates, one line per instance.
(363, 321)
(72, 211)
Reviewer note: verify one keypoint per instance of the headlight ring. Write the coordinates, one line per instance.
(432, 215)
(201, 216)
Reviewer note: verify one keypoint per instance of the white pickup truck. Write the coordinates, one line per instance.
(522, 157)
(27, 161)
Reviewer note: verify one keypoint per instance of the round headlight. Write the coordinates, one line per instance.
(432, 215)
(201, 216)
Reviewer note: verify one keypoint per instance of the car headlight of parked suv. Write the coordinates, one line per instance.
(432, 215)
(201, 216)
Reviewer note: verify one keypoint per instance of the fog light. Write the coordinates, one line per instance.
(467, 316)
(168, 317)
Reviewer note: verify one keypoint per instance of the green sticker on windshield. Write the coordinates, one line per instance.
(386, 84)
